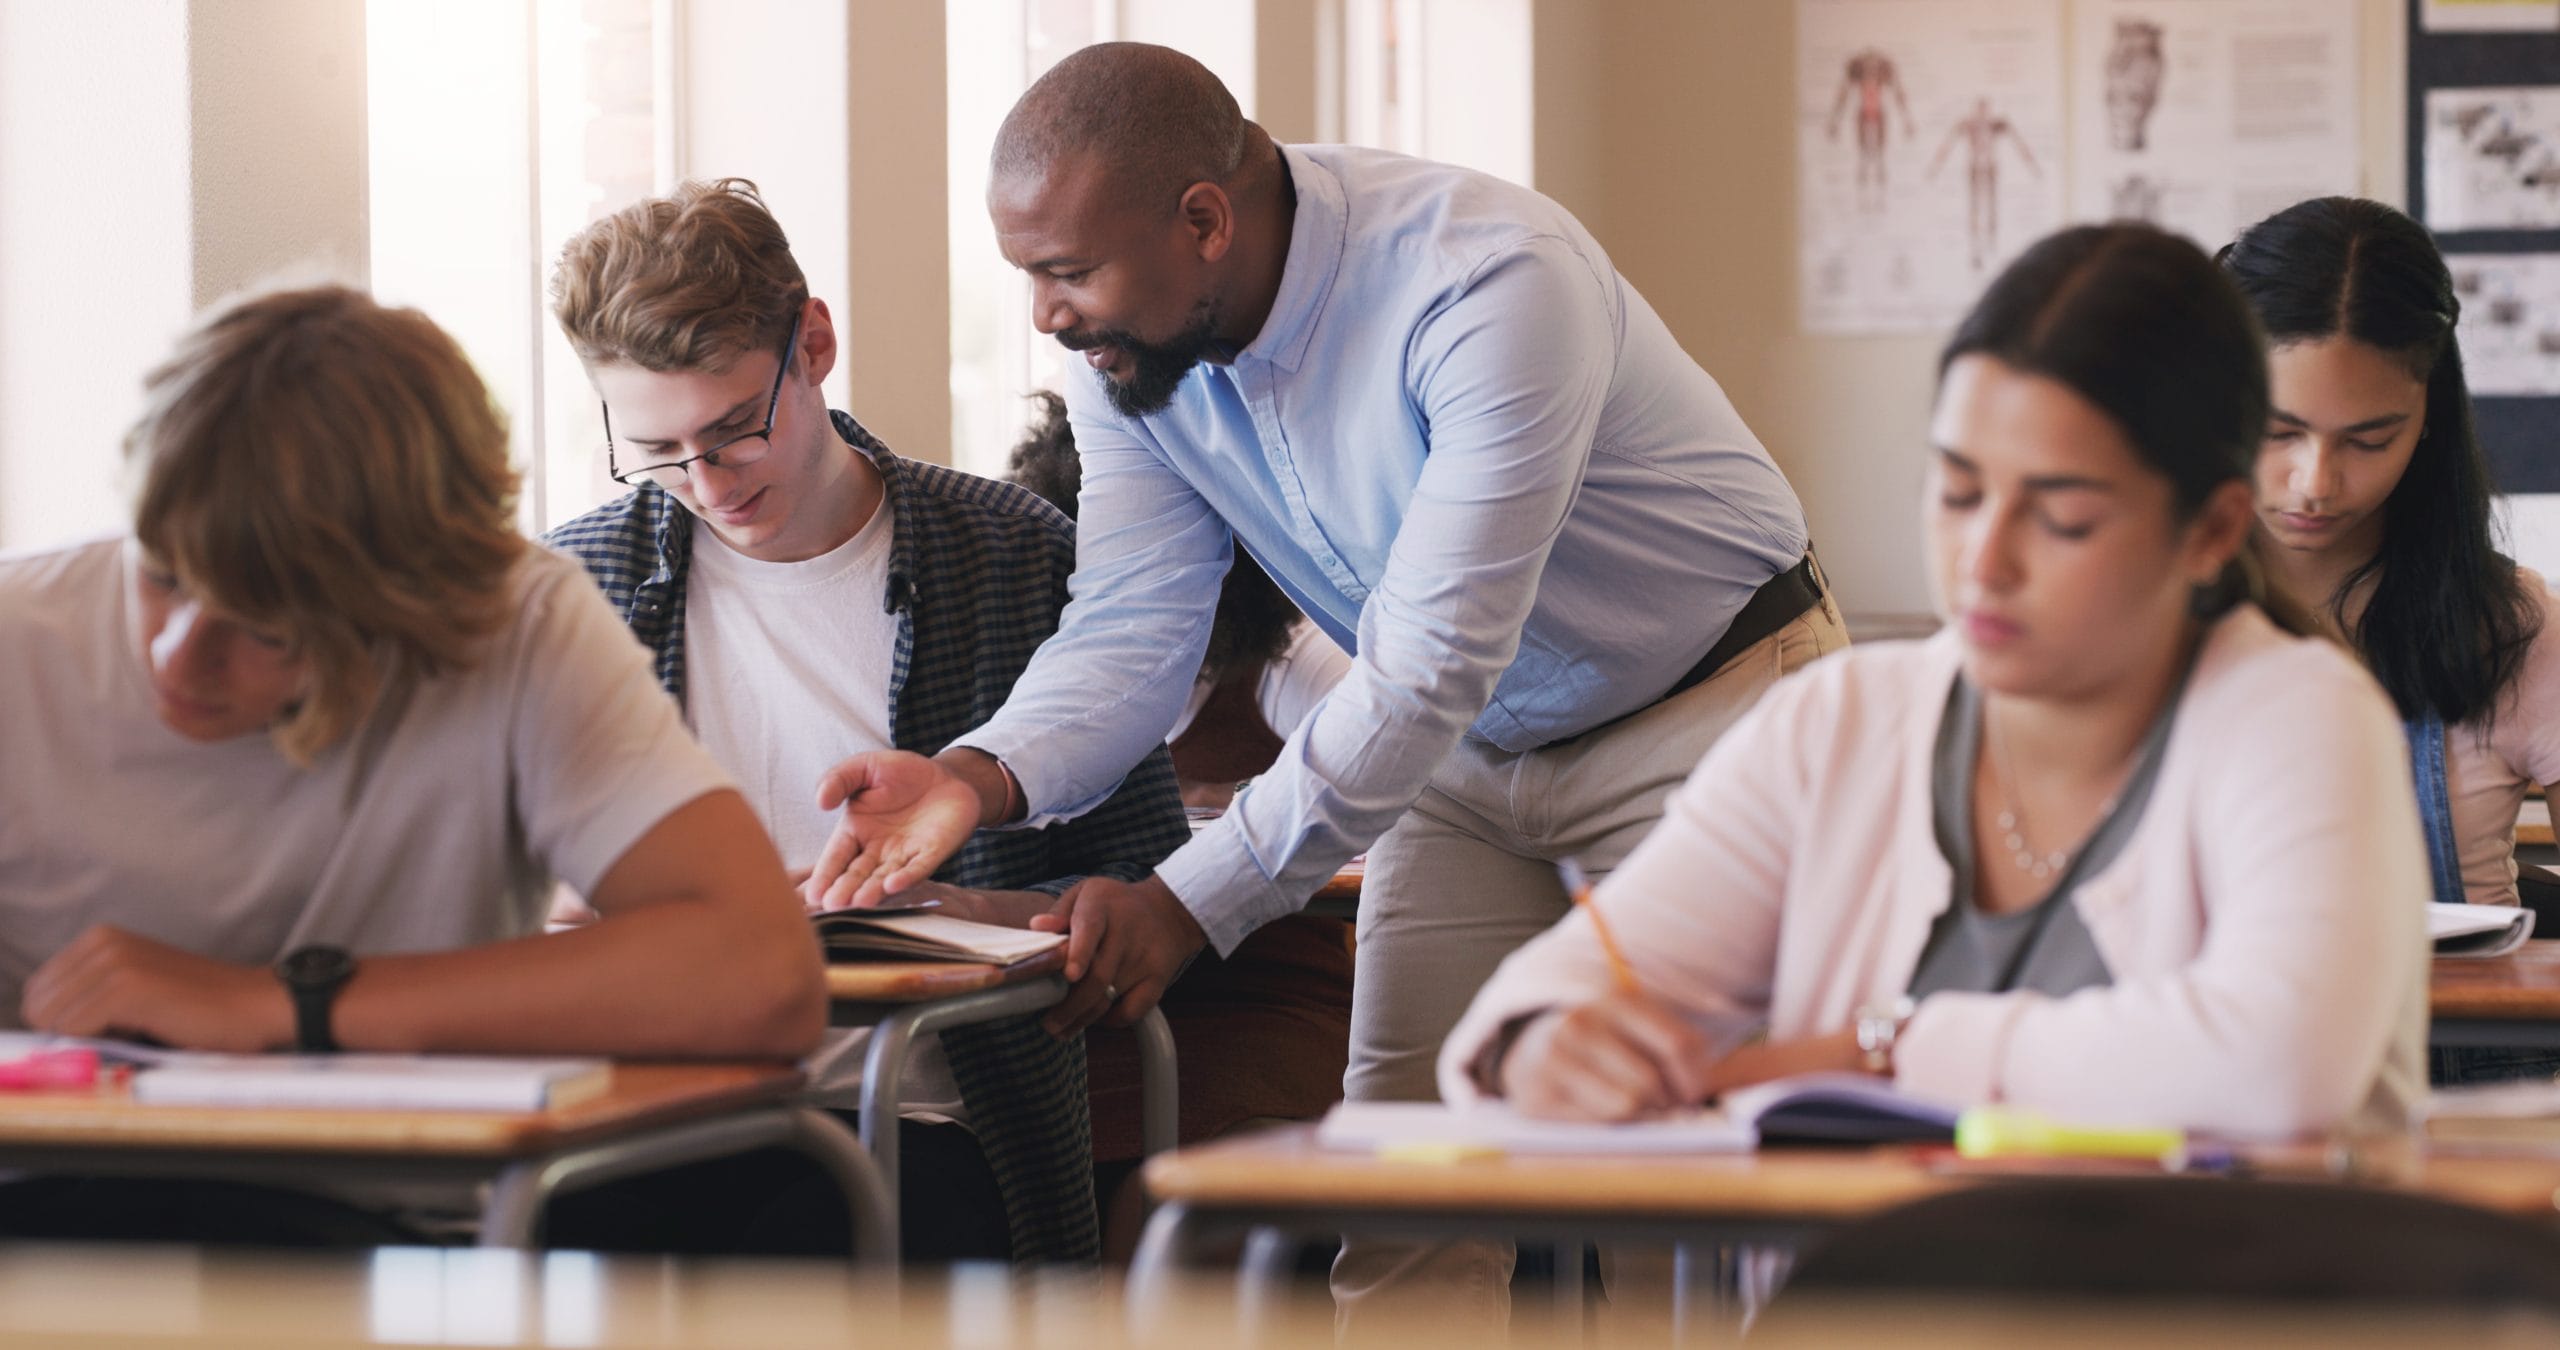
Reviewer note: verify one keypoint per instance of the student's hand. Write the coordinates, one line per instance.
(1125, 944)
(903, 814)
(109, 982)
(1620, 1057)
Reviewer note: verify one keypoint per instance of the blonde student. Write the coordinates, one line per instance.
(2114, 844)
(294, 761)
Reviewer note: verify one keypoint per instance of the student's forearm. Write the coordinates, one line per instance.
(639, 983)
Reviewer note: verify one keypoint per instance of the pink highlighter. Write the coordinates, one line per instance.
(50, 1071)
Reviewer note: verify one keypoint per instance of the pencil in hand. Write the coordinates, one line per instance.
(1577, 884)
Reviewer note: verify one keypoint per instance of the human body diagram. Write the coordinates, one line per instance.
(1981, 133)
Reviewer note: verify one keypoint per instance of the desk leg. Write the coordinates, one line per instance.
(1170, 1245)
(867, 1193)
(1264, 1275)
(884, 1068)
(1159, 1084)
(513, 1215)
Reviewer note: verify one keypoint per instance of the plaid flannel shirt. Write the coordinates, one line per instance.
(977, 575)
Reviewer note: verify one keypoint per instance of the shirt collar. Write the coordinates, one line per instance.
(900, 593)
(1316, 233)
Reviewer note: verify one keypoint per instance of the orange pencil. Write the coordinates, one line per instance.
(1578, 885)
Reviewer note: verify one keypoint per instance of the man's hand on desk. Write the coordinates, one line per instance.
(109, 982)
(903, 814)
(1125, 944)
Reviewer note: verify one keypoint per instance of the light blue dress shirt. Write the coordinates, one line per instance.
(1470, 452)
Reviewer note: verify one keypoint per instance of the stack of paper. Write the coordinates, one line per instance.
(369, 1082)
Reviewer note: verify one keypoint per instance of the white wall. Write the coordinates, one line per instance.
(157, 154)
(1663, 124)
(94, 249)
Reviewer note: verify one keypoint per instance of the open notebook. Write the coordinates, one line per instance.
(1808, 1108)
(2478, 930)
(868, 934)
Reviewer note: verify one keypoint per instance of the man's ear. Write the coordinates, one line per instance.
(817, 340)
(1208, 217)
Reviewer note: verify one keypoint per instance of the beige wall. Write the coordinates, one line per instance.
(1667, 125)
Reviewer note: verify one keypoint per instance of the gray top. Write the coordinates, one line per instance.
(2045, 947)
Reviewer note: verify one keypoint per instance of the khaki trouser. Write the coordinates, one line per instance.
(1466, 877)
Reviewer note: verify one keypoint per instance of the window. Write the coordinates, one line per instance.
(997, 48)
(497, 129)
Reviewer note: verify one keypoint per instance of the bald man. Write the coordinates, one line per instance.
(1423, 399)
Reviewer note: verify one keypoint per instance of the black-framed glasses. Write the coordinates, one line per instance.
(737, 452)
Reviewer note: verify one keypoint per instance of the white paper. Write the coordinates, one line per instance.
(2490, 16)
(1394, 1125)
(2204, 116)
(2478, 930)
(2493, 158)
(2510, 331)
(1929, 145)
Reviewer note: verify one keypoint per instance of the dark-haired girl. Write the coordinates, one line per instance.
(2114, 845)
(2373, 491)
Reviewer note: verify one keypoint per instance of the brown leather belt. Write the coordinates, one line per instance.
(1779, 601)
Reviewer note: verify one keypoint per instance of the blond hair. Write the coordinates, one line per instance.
(689, 281)
(312, 462)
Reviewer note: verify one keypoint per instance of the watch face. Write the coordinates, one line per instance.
(316, 967)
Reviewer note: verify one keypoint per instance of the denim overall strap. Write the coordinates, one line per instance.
(2435, 806)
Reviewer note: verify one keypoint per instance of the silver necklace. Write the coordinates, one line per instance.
(2013, 828)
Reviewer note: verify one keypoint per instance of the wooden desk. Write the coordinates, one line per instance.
(653, 1116)
(922, 981)
(2511, 1000)
(2533, 823)
(167, 1297)
(1279, 1189)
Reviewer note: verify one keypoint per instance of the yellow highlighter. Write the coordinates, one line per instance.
(2005, 1132)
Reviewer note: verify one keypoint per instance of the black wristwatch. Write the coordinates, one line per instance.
(313, 976)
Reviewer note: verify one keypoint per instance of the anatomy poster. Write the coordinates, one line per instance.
(1929, 144)
(2493, 158)
(2203, 116)
(2510, 330)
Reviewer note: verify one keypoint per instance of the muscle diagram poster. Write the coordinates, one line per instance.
(2202, 116)
(1929, 144)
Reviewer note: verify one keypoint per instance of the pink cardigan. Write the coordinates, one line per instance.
(2263, 924)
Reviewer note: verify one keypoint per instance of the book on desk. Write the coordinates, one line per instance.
(2478, 930)
(371, 1082)
(920, 934)
(1806, 1108)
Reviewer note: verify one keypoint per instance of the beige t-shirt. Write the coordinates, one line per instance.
(2487, 767)
(438, 824)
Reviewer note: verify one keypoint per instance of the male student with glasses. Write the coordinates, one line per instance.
(808, 594)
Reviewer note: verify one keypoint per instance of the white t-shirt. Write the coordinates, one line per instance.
(787, 669)
(438, 824)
